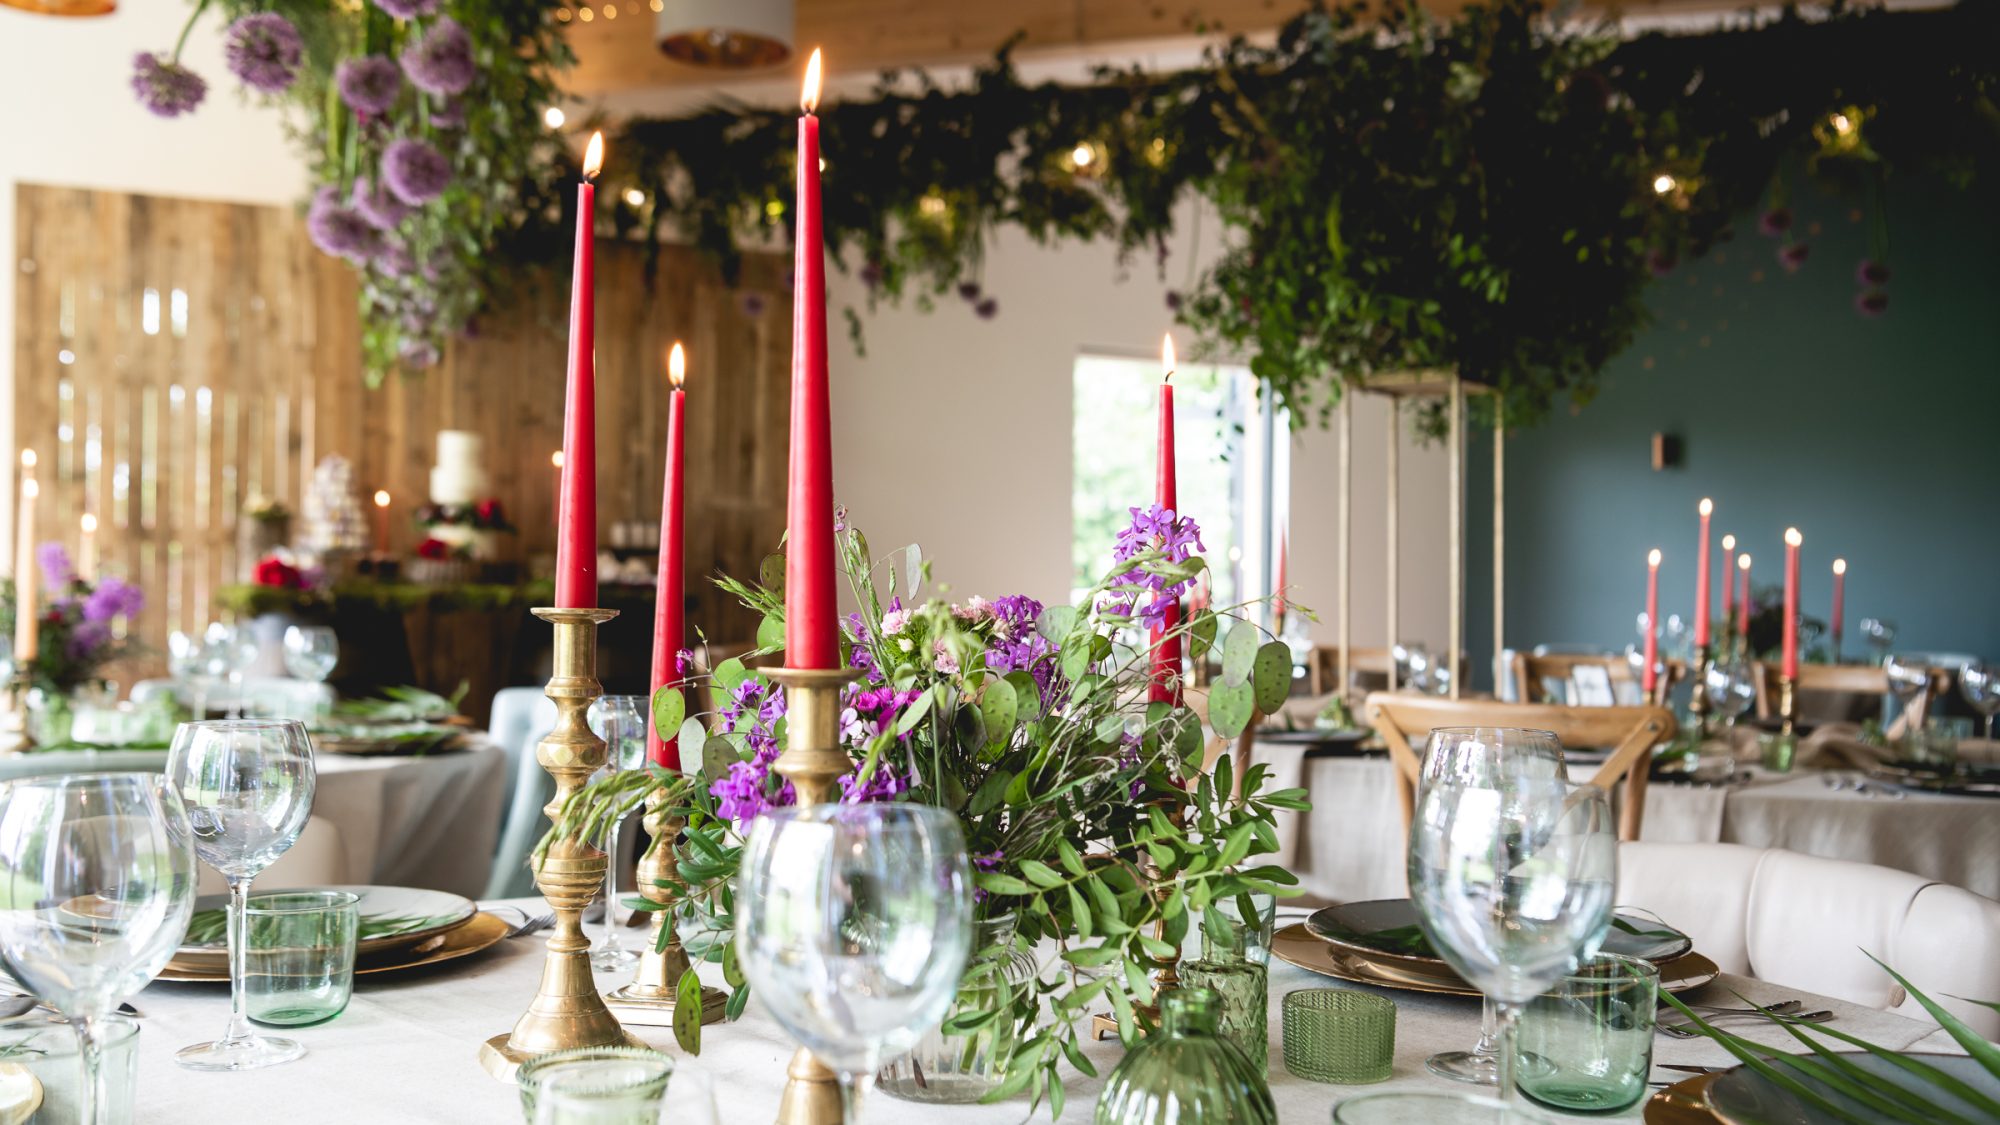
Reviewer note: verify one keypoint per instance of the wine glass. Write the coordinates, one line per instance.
(248, 785)
(1732, 687)
(1880, 633)
(854, 923)
(98, 887)
(620, 720)
(1910, 683)
(227, 652)
(187, 661)
(311, 652)
(1676, 638)
(1512, 872)
(1979, 682)
(1449, 752)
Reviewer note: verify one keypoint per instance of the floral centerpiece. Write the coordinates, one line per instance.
(79, 632)
(1096, 833)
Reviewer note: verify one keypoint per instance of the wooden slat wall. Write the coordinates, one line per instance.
(215, 353)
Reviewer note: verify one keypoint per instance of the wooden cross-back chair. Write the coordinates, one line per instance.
(1367, 668)
(1532, 672)
(1631, 732)
(1821, 686)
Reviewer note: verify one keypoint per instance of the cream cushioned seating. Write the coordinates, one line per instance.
(1804, 921)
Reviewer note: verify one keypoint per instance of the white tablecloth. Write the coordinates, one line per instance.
(406, 1050)
(1350, 847)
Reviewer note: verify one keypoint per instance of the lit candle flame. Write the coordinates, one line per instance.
(593, 156)
(381, 497)
(89, 523)
(1793, 538)
(1653, 557)
(1167, 354)
(677, 364)
(1743, 561)
(1840, 566)
(30, 488)
(1729, 542)
(809, 93)
(27, 458)
(556, 459)
(1707, 505)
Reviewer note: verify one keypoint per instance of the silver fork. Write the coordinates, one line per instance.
(1680, 1031)
(533, 925)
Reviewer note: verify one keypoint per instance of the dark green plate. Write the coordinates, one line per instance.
(1389, 926)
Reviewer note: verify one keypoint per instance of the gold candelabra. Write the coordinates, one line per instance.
(566, 1011)
(652, 992)
(1788, 704)
(1698, 701)
(812, 761)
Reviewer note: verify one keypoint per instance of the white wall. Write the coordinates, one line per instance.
(71, 120)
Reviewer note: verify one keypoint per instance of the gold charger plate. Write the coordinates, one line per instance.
(483, 932)
(1683, 1103)
(1299, 946)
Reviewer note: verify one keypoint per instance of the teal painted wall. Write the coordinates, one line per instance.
(1878, 438)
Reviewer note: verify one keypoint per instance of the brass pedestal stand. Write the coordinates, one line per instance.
(1698, 701)
(812, 761)
(649, 999)
(566, 1011)
(1788, 704)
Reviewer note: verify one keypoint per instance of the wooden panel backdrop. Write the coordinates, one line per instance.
(174, 356)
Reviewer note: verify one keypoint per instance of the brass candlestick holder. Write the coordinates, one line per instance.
(1788, 704)
(812, 762)
(566, 1011)
(650, 996)
(1698, 701)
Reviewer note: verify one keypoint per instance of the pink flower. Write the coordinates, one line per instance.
(943, 660)
(894, 621)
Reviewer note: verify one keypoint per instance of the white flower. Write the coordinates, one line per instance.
(907, 645)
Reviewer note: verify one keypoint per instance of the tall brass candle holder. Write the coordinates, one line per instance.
(650, 996)
(812, 762)
(1698, 701)
(1782, 748)
(566, 1011)
(1788, 703)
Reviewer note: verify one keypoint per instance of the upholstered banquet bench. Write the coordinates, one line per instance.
(1804, 921)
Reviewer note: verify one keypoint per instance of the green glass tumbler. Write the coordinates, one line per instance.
(299, 961)
(1587, 1043)
(1339, 1035)
(1185, 1073)
(595, 1086)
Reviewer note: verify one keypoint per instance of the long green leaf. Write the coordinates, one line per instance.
(1974, 1044)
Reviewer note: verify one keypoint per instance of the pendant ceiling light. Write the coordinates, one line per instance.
(63, 7)
(726, 33)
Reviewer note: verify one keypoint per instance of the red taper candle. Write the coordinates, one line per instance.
(576, 521)
(1647, 676)
(1789, 665)
(669, 612)
(1166, 685)
(1743, 614)
(1839, 602)
(811, 639)
(1728, 580)
(1701, 598)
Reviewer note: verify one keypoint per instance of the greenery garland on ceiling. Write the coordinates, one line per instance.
(1490, 193)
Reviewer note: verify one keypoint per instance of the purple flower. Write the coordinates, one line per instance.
(1660, 263)
(113, 598)
(753, 305)
(1015, 646)
(870, 274)
(1871, 303)
(418, 353)
(415, 171)
(340, 231)
(451, 115)
(1173, 300)
(1775, 222)
(840, 517)
(867, 712)
(263, 50)
(392, 259)
(1792, 255)
(441, 62)
(987, 309)
(407, 9)
(1871, 272)
(750, 787)
(164, 86)
(368, 84)
(987, 861)
(1154, 529)
(85, 640)
(969, 290)
(683, 662)
(52, 559)
(884, 784)
(382, 209)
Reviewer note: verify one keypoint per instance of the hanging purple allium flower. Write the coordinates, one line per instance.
(415, 171)
(1871, 272)
(407, 9)
(987, 309)
(339, 230)
(263, 50)
(164, 86)
(418, 353)
(368, 84)
(870, 274)
(441, 62)
(1871, 303)
(381, 208)
(450, 115)
(753, 304)
(113, 598)
(1792, 255)
(968, 290)
(52, 560)
(1775, 222)
(1660, 263)
(85, 640)
(1174, 300)
(1160, 529)
(392, 259)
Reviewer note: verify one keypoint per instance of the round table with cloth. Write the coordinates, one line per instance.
(405, 821)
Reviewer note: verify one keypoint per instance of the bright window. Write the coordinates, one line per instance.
(1231, 450)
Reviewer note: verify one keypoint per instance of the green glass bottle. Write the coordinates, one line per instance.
(1186, 1074)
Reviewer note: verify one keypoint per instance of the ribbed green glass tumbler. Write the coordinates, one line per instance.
(1337, 1035)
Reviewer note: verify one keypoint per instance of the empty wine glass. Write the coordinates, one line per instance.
(620, 720)
(248, 786)
(187, 662)
(1732, 687)
(1512, 871)
(311, 652)
(228, 651)
(1676, 639)
(1979, 682)
(1451, 752)
(96, 887)
(1909, 682)
(1880, 633)
(854, 923)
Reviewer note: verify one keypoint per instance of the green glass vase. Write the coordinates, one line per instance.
(1185, 1073)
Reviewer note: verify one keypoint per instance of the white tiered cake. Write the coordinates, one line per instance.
(458, 481)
